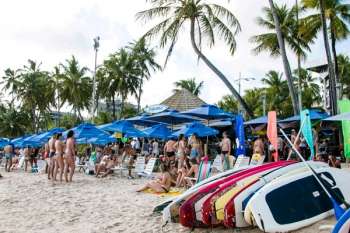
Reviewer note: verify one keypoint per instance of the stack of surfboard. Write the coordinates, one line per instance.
(276, 197)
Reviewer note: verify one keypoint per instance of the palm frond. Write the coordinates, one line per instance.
(224, 33)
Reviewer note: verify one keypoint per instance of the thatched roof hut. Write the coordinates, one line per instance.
(183, 100)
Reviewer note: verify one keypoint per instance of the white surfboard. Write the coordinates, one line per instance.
(297, 201)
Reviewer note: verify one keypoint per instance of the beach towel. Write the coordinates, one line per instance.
(307, 131)
(173, 192)
(272, 133)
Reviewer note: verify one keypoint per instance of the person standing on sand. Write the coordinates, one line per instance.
(58, 158)
(69, 156)
(27, 152)
(52, 152)
(8, 157)
(225, 146)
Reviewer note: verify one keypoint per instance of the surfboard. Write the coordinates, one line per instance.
(234, 209)
(297, 201)
(343, 224)
(170, 208)
(214, 205)
(189, 216)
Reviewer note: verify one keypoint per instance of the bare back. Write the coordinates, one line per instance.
(70, 147)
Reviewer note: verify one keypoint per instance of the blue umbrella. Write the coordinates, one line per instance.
(314, 115)
(257, 121)
(141, 120)
(208, 112)
(44, 137)
(102, 140)
(86, 131)
(4, 142)
(196, 128)
(157, 131)
(171, 117)
(339, 117)
(124, 127)
(17, 141)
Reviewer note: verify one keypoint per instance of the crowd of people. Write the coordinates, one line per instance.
(178, 159)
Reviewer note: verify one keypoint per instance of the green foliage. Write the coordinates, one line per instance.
(344, 74)
(103, 118)
(69, 121)
(228, 103)
(13, 122)
(190, 85)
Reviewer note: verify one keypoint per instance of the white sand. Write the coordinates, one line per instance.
(30, 203)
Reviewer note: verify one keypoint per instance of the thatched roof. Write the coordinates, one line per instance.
(183, 100)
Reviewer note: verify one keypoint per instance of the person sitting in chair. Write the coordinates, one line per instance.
(162, 184)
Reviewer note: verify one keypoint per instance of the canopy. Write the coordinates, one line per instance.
(339, 117)
(142, 120)
(314, 115)
(171, 117)
(157, 131)
(44, 137)
(196, 128)
(86, 131)
(257, 121)
(124, 127)
(17, 142)
(208, 112)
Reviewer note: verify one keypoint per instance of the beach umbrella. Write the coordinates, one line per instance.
(257, 121)
(196, 128)
(171, 118)
(339, 117)
(314, 115)
(44, 137)
(157, 131)
(17, 141)
(142, 120)
(86, 131)
(124, 127)
(208, 112)
(4, 142)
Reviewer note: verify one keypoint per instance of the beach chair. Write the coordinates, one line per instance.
(203, 171)
(149, 168)
(80, 164)
(241, 161)
(257, 160)
(140, 164)
(217, 164)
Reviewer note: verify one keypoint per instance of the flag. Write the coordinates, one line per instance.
(306, 130)
(344, 106)
(272, 133)
(240, 139)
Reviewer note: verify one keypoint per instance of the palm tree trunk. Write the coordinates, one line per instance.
(139, 97)
(113, 107)
(286, 65)
(334, 51)
(218, 72)
(332, 90)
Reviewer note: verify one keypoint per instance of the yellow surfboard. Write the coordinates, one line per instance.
(223, 199)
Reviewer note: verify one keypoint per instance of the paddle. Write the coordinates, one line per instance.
(338, 210)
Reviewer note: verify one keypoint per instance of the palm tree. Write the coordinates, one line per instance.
(252, 98)
(76, 86)
(12, 82)
(228, 103)
(281, 23)
(344, 74)
(206, 21)
(190, 85)
(277, 91)
(57, 78)
(13, 122)
(144, 58)
(310, 89)
(338, 15)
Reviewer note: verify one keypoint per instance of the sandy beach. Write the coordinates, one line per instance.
(30, 203)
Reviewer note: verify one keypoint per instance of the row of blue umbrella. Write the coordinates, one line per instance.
(158, 128)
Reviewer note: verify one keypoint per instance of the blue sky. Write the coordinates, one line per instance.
(52, 31)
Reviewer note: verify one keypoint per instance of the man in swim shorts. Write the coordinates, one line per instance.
(8, 157)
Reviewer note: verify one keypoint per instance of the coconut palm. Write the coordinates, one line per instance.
(190, 85)
(228, 103)
(309, 88)
(144, 58)
(206, 22)
(12, 82)
(338, 15)
(76, 86)
(276, 90)
(13, 122)
(283, 32)
(344, 74)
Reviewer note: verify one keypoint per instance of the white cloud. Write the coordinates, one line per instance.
(51, 31)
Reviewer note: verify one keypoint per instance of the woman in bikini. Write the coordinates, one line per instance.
(69, 157)
(181, 147)
(195, 147)
(58, 158)
(161, 185)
